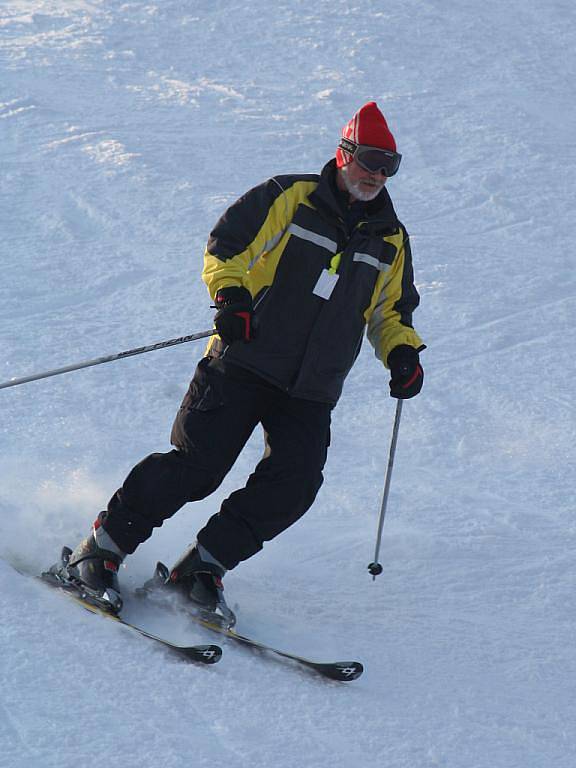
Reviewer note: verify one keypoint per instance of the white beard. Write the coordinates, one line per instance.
(360, 193)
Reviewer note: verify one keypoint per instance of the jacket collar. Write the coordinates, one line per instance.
(328, 197)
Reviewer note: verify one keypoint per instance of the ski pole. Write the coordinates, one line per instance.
(108, 359)
(375, 568)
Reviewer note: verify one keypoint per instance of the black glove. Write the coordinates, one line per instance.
(406, 374)
(234, 319)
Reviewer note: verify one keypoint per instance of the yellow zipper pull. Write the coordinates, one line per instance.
(334, 263)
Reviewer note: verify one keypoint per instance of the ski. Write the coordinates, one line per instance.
(203, 654)
(342, 671)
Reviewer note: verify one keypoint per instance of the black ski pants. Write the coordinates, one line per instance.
(221, 409)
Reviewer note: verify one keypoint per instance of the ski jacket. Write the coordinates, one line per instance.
(317, 282)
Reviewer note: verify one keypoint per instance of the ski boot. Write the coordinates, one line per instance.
(197, 577)
(91, 571)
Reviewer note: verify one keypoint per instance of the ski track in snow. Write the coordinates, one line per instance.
(125, 130)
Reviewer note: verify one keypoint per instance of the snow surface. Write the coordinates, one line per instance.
(126, 128)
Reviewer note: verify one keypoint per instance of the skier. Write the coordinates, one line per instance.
(297, 268)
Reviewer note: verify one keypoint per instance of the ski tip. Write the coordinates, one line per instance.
(205, 654)
(342, 671)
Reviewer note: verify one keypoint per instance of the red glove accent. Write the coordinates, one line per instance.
(233, 320)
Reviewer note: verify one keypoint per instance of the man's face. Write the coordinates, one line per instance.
(361, 184)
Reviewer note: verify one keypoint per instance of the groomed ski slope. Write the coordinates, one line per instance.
(126, 128)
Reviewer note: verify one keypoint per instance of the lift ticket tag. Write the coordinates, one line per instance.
(326, 284)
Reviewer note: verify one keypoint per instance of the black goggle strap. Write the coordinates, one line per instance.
(348, 146)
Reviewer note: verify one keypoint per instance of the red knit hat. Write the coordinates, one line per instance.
(368, 126)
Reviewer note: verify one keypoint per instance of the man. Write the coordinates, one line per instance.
(298, 268)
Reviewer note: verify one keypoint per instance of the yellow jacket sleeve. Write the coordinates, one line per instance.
(395, 297)
(250, 228)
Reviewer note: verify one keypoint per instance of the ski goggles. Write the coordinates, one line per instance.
(372, 159)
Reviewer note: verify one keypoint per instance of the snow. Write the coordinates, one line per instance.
(126, 128)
